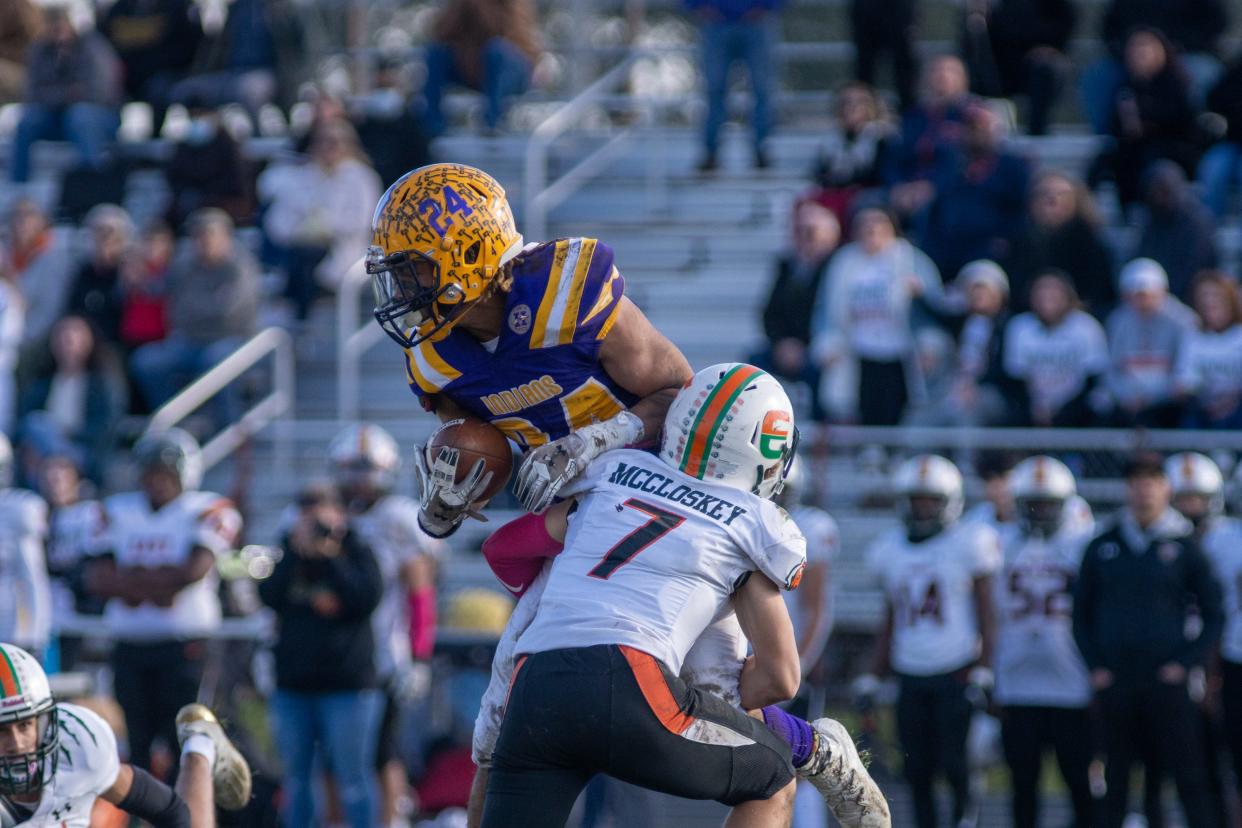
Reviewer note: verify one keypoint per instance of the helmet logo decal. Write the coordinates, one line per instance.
(711, 416)
(774, 433)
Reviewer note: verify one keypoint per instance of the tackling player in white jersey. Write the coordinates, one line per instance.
(936, 573)
(26, 610)
(1042, 684)
(1198, 493)
(365, 461)
(56, 759)
(596, 689)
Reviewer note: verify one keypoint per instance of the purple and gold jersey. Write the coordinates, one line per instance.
(543, 378)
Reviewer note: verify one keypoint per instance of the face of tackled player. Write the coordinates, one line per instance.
(23, 759)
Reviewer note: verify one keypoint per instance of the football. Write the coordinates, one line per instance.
(477, 440)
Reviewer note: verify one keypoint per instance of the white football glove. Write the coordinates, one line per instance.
(443, 502)
(547, 469)
(410, 682)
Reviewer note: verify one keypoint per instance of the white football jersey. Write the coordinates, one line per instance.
(653, 555)
(87, 766)
(138, 536)
(930, 588)
(26, 605)
(390, 528)
(1222, 543)
(1210, 364)
(823, 542)
(1036, 660)
(1055, 362)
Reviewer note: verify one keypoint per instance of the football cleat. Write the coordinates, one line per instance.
(230, 773)
(838, 773)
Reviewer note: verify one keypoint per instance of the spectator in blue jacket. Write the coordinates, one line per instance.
(736, 30)
(931, 134)
(979, 207)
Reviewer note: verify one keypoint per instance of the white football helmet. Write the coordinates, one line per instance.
(364, 452)
(1191, 473)
(732, 424)
(930, 476)
(25, 694)
(1041, 486)
(174, 450)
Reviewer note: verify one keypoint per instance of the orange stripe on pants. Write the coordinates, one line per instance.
(650, 677)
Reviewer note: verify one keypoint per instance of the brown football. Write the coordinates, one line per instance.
(477, 440)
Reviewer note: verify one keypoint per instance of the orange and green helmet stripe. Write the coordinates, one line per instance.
(10, 685)
(711, 416)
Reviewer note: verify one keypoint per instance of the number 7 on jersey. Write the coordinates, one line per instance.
(662, 522)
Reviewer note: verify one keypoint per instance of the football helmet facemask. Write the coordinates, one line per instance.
(364, 454)
(25, 694)
(1194, 475)
(172, 449)
(1041, 486)
(929, 494)
(440, 238)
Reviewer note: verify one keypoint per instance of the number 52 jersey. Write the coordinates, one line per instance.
(652, 556)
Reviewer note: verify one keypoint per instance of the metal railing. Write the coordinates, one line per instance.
(352, 341)
(272, 408)
(540, 195)
(853, 464)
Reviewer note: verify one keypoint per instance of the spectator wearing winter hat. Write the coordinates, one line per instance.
(1144, 337)
(978, 392)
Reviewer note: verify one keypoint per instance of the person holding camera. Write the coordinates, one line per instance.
(323, 590)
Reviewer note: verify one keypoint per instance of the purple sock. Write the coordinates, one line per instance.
(797, 732)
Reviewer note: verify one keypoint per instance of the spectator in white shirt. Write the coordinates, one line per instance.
(319, 213)
(1058, 351)
(863, 318)
(1209, 369)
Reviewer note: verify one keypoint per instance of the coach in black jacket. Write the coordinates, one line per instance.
(1138, 582)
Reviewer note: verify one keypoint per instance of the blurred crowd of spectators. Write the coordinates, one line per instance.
(937, 277)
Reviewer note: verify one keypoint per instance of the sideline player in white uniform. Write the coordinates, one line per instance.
(156, 565)
(57, 758)
(687, 530)
(1199, 494)
(936, 573)
(365, 461)
(1042, 684)
(26, 610)
(810, 609)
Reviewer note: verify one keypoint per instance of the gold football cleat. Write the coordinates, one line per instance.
(230, 774)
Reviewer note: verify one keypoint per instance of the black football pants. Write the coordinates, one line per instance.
(577, 712)
(1025, 733)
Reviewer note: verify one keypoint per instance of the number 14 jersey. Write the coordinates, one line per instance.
(929, 587)
(652, 556)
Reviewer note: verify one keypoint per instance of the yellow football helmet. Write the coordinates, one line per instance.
(440, 236)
